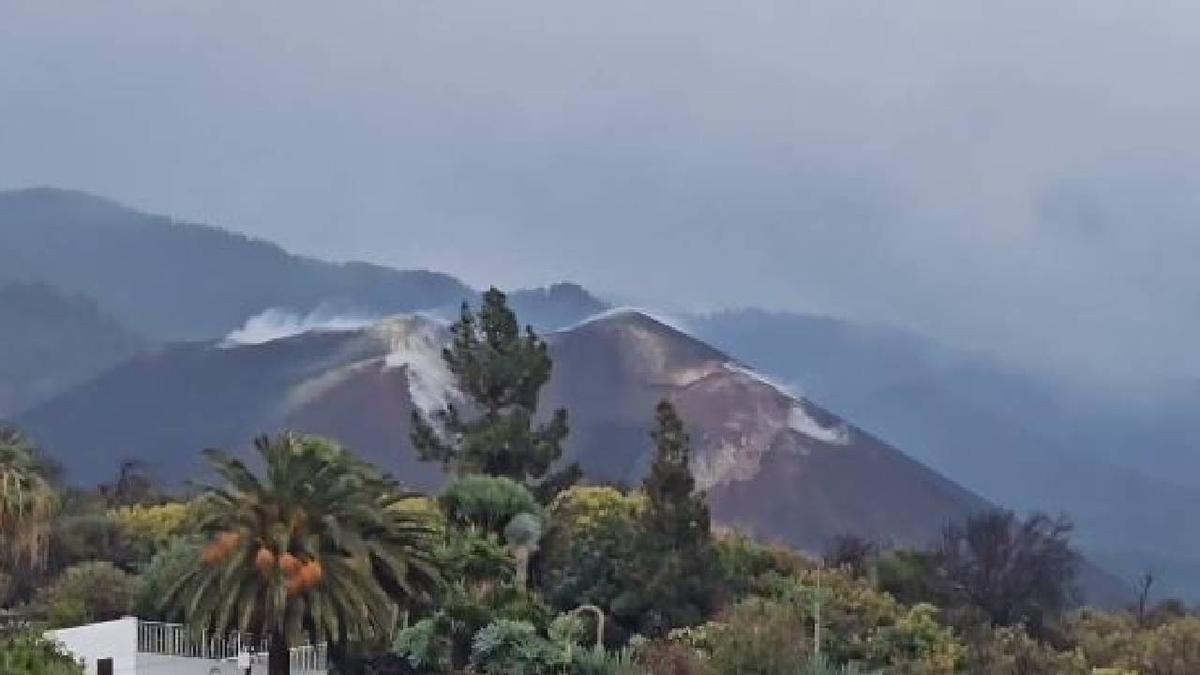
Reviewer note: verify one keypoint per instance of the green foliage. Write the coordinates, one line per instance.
(749, 566)
(91, 591)
(29, 654)
(84, 533)
(153, 526)
(675, 565)
(474, 557)
(489, 502)
(502, 370)
(570, 628)
(1008, 650)
(760, 637)
(315, 547)
(1013, 571)
(821, 665)
(167, 566)
(1117, 641)
(523, 534)
(27, 504)
(425, 645)
(589, 545)
(599, 661)
(911, 576)
(506, 647)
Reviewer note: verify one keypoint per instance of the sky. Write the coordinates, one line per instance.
(1015, 177)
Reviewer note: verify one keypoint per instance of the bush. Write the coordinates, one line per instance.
(760, 637)
(1010, 651)
(593, 535)
(91, 591)
(506, 647)
(668, 657)
(599, 661)
(425, 645)
(489, 502)
(751, 566)
(81, 537)
(28, 654)
(154, 526)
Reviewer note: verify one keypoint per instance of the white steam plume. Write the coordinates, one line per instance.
(276, 323)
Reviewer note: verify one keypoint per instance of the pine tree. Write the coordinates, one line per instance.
(678, 515)
(502, 370)
(675, 571)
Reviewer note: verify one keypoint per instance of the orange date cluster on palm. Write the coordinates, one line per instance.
(299, 574)
(220, 547)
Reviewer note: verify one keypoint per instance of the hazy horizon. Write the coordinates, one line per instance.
(1017, 179)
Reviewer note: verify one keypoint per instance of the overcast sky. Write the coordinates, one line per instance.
(1021, 177)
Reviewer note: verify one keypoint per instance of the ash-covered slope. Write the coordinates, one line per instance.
(772, 462)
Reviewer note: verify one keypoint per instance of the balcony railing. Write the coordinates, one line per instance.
(172, 639)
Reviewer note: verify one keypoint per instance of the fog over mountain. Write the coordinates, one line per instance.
(1017, 177)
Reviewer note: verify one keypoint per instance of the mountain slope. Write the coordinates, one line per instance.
(51, 341)
(1003, 433)
(773, 463)
(145, 268)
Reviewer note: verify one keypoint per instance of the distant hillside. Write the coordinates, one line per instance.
(177, 281)
(557, 306)
(1006, 434)
(777, 465)
(51, 341)
(772, 463)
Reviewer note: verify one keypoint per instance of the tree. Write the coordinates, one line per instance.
(489, 502)
(591, 541)
(315, 547)
(27, 504)
(167, 566)
(502, 370)
(133, 486)
(1014, 571)
(677, 569)
(852, 552)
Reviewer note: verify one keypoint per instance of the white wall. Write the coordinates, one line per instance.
(110, 639)
(118, 640)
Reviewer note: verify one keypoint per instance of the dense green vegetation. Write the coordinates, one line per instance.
(516, 569)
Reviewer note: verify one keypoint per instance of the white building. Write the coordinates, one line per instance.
(130, 646)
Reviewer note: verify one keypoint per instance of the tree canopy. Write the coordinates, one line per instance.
(501, 369)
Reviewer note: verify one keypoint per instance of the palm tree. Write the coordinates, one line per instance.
(27, 503)
(316, 547)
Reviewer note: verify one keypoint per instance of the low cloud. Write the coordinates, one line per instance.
(1016, 177)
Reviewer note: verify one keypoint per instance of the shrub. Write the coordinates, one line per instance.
(153, 526)
(760, 637)
(425, 645)
(599, 661)
(28, 654)
(668, 657)
(91, 591)
(506, 647)
(489, 502)
(1010, 651)
(751, 566)
(593, 535)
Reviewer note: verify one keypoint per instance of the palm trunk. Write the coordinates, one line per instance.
(279, 660)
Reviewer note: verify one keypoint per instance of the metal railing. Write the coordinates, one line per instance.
(172, 639)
